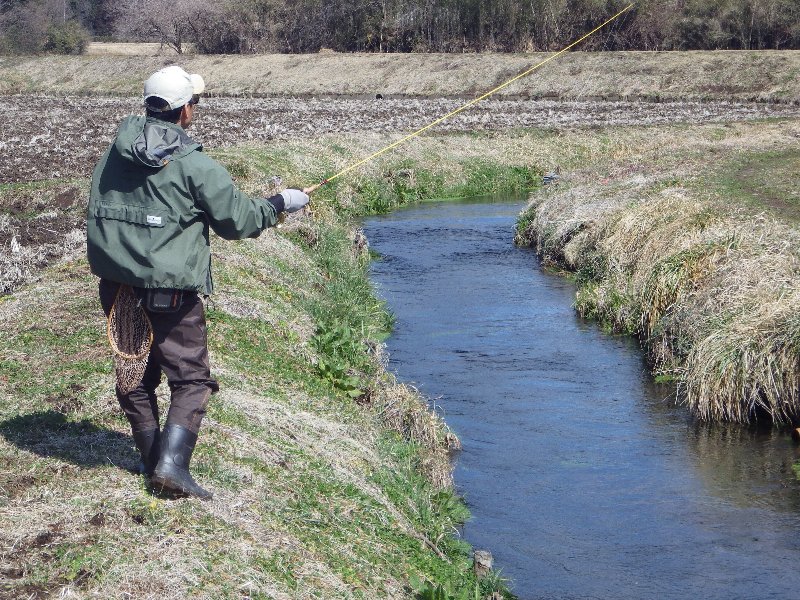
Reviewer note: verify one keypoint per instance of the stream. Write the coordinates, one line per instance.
(584, 478)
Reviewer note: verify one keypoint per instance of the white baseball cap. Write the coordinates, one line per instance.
(173, 85)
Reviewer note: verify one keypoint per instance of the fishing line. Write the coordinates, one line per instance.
(617, 27)
(470, 103)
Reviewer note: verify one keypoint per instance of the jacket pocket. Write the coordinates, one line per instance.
(138, 215)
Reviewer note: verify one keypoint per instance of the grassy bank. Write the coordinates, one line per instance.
(688, 238)
(332, 480)
(767, 76)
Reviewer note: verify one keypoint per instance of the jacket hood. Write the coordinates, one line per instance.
(153, 143)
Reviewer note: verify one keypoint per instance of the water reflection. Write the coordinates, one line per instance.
(750, 466)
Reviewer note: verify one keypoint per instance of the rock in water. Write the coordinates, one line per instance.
(482, 563)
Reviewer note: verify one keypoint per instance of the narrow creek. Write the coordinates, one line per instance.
(583, 477)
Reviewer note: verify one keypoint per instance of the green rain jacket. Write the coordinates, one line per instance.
(154, 196)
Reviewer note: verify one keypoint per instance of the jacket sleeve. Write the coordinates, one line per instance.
(231, 213)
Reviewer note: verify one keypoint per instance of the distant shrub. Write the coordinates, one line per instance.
(66, 38)
(22, 33)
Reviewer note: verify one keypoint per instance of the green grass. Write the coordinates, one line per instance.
(763, 181)
(407, 181)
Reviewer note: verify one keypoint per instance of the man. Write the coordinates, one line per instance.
(154, 197)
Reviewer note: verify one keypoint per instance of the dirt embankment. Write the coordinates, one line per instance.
(769, 76)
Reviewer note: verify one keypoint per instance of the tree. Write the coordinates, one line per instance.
(31, 26)
(171, 22)
(247, 26)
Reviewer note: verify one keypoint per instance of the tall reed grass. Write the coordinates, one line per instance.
(711, 290)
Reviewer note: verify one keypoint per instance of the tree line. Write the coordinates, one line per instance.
(296, 26)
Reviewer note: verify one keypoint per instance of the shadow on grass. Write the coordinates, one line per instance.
(83, 443)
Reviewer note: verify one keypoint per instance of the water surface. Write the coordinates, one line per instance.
(583, 477)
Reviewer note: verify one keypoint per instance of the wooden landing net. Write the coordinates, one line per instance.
(130, 334)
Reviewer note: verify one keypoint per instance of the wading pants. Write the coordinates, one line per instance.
(180, 351)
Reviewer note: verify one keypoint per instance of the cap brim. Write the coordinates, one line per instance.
(198, 84)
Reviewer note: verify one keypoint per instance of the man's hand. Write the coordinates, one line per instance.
(294, 200)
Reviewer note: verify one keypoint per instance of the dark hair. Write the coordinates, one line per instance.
(155, 106)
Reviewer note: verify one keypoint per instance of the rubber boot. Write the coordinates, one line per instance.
(172, 471)
(148, 443)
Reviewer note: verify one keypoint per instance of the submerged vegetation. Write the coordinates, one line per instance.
(690, 242)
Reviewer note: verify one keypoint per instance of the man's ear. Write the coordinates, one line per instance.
(185, 117)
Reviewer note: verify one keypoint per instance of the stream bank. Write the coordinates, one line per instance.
(331, 480)
(673, 248)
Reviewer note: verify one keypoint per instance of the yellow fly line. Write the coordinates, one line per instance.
(471, 102)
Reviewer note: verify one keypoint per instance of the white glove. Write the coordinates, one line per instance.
(294, 200)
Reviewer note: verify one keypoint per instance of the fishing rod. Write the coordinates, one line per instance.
(472, 102)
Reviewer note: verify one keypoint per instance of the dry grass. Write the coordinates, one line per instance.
(134, 49)
(293, 473)
(708, 282)
(743, 76)
(401, 409)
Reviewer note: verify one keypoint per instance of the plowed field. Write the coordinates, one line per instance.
(45, 137)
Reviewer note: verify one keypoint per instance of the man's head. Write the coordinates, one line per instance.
(171, 93)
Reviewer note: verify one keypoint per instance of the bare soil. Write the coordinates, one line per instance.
(48, 137)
